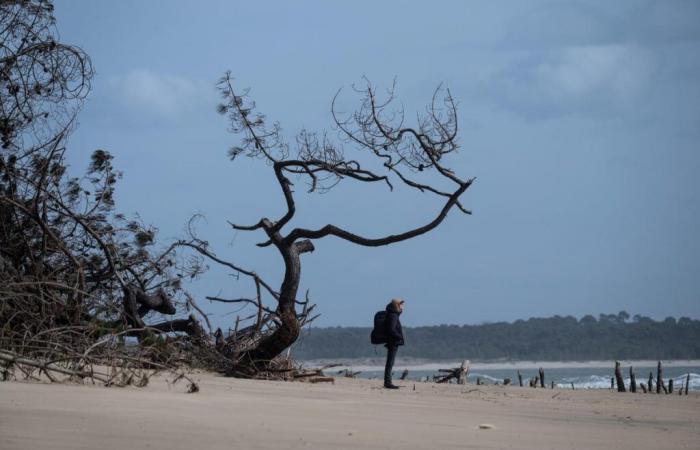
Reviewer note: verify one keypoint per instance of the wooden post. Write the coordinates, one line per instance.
(541, 377)
(633, 380)
(644, 387)
(651, 381)
(618, 378)
(670, 385)
(404, 375)
(680, 391)
(463, 370)
(572, 386)
(659, 378)
(520, 378)
(612, 382)
(552, 384)
(478, 381)
(687, 382)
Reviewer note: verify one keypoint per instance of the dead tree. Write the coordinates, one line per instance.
(390, 152)
(76, 276)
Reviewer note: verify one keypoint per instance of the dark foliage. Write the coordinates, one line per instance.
(547, 339)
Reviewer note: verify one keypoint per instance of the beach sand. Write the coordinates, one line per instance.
(244, 414)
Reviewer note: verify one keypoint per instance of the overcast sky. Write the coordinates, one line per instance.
(580, 120)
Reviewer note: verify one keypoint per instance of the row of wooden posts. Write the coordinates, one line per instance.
(649, 387)
(460, 374)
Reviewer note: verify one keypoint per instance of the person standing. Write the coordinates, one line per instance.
(394, 335)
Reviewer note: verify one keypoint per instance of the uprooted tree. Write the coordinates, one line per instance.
(76, 278)
(83, 289)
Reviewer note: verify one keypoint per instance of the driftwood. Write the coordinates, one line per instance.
(644, 387)
(463, 371)
(321, 380)
(506, 381)
(459, 373)
(404, 375)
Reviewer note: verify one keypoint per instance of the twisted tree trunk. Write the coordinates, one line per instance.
(288, 330)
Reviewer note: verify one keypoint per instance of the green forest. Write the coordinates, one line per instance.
(557, 338)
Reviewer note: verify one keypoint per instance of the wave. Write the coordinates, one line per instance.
(603, 382)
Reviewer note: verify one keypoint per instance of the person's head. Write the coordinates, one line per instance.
(397, 303)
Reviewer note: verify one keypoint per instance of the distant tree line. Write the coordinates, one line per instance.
(610, 336)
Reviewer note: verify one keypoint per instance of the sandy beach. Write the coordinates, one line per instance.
(230, 413)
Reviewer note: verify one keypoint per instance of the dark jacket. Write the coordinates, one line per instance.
(394, 332)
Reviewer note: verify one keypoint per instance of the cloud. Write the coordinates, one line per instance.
(560, 25)
(161, 96)
(580, 24)
(584, 79)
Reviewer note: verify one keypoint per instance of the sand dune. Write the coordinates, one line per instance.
(243, 414)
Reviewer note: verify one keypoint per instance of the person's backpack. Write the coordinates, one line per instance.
(378, 335)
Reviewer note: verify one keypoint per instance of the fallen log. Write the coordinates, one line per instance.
(322, 380)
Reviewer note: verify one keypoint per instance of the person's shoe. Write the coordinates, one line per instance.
(390, 386)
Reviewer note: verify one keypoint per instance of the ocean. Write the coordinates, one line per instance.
(587, 375)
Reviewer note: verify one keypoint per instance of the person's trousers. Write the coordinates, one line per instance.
(391, 350)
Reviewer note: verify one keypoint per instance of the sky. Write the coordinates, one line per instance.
(579, 119)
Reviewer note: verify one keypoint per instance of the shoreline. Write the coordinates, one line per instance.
(375, 364)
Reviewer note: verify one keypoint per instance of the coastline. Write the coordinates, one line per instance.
(375, 364)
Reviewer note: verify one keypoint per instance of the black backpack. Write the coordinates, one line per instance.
(378, 335)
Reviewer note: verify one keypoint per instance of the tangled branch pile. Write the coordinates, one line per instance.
(82, 288)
